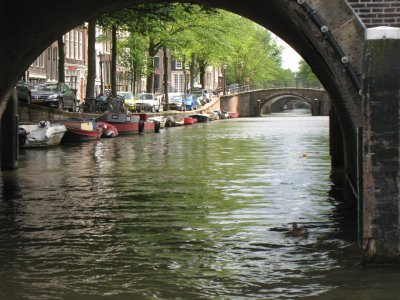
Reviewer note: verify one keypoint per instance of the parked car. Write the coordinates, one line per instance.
(54, 95)
(203, 95)
(149, 102)
(23, 91)
(176, 102)
(190, 102)
(129, 99)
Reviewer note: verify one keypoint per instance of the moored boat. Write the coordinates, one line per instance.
(159, 120)
(81, 130)
(233, 115)
(201, 118)
(124, 123)
(41, 134)
(189, 121)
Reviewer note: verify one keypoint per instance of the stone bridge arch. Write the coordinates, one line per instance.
(247, 104)
(317, 100)
(327, 34)
(278, 103)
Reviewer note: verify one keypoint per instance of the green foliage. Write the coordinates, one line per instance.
(251, 53)
(132, 55)
(211, 36)
(305, 72)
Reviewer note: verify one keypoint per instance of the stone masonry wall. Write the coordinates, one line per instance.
(377, 12)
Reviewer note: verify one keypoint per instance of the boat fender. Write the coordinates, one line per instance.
(141, 126)
(22, 136)
(169, 123)
(157, 126)
(42, 124)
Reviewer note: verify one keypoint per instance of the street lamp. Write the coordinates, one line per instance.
(252, 78)
(224, 74)
(101, 57)
(242, 66)
(259, 108)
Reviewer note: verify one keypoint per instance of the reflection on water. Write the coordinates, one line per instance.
(190, 213)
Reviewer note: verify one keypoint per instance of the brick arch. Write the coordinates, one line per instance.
(327, 34)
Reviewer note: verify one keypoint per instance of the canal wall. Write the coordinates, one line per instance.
(34, 113)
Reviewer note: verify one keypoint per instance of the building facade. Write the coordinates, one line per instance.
(45, 67)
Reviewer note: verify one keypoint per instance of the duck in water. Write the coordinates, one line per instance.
(298, 231)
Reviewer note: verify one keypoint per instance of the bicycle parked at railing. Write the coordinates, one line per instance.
(104, 103)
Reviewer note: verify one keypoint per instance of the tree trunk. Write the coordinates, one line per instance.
(165, 82)
(113, 72)
(91, 75)
(192, 72)
(185, 83)
(61, 59)
(152, 50)
(202, 69)
(134, 78)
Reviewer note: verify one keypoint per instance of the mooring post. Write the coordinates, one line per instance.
(381, 145)
(9, 134)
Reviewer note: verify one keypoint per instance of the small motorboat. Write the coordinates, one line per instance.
(233, 115)
(189, 121)
(178, 121)
(160, 122)
(79, 130)
(41, 134)
(109, 130)
(201, 118)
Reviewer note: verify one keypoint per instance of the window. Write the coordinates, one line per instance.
(178, 64)
(66, 44)
(55, 53)
(178, 83)
(41, 60)
(71, 44)
(80, 45)
(156, 62)
(76, 44)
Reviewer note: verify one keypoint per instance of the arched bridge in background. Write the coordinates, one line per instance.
(358, 65)
(258, 102)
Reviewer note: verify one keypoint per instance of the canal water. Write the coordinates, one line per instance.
(199, 212)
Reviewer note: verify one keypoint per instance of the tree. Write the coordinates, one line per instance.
(132, 56)
(91, 76)
(252, 53)
(61, 59)
(139, 18)
(305, 72)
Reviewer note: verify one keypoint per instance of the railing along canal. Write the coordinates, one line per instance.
(279, 83)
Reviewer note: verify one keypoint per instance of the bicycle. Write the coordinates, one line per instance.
(88, 106)
(116, 104)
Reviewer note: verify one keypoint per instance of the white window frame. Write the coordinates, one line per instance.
(178, 64)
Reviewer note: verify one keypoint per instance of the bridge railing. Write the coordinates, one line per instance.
(269, 84)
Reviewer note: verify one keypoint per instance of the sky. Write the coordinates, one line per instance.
(290, 58)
